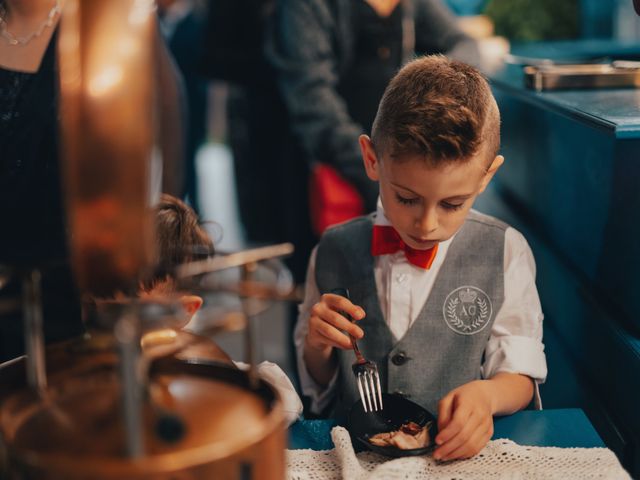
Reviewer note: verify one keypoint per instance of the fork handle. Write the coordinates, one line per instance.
(345, 293)
(354, 344)
(359, 356)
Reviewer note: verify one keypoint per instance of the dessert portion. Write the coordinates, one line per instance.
(409, 436)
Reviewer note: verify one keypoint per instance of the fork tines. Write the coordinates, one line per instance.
(368, 381)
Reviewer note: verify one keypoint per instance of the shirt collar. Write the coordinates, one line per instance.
(380, 218)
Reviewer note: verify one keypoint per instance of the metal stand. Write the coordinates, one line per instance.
(251, 293)
(249, 332)
(128, 339)
(33, 334)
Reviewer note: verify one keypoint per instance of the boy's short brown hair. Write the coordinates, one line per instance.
(179, 238)
(440, 109)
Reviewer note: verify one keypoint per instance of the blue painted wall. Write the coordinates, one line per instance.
(571, 184)
(597, 16)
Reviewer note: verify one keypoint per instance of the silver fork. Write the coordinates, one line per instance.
(365, 371)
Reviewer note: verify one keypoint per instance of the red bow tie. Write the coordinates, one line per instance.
(386, 240)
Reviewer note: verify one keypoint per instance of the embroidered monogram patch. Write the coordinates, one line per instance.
(467, 310)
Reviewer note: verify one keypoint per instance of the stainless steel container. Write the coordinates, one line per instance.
(554, 77)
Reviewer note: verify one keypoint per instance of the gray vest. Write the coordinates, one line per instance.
(444, 347)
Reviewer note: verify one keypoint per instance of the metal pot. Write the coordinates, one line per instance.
(201, 419)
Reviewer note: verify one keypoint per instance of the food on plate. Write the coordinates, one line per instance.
(409, 436)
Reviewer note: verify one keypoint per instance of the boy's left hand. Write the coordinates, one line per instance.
(465, 421)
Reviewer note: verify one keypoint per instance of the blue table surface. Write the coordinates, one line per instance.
(544, 428)
(613, 109)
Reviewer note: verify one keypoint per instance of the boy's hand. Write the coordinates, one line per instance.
(326, 323)
(465, 421)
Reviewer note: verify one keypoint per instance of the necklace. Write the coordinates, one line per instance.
(12, 40)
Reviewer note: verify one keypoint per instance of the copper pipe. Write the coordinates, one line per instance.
(111, 163)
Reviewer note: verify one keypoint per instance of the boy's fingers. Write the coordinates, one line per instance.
(337, 320)
(445, 408)
(478, 440)
(459, 439)
(329, 332)
(456, 423)
(340, 303)
(332, 342)
(341, 323)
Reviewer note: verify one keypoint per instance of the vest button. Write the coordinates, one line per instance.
(399, 359)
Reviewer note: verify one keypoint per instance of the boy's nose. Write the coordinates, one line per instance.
(428, 221)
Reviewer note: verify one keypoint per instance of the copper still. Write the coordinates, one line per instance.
(140, 399)
(202, 419)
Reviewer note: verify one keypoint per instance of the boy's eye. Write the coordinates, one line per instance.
(406, 201)
(452, 206)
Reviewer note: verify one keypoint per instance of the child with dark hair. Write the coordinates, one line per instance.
(179, 239)
(444, 297)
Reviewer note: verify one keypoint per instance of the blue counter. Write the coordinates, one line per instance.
(545, 428)
(571, 184)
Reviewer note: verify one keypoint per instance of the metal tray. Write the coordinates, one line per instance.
(609, 75)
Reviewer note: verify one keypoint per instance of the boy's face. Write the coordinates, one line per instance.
(427, 205)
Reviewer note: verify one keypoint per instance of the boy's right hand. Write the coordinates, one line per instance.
(327, 323)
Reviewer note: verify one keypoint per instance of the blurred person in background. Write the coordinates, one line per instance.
(333, 60)
(31, 198)
(256, 116)
(30, 194)
(182, 23)
(306, 77)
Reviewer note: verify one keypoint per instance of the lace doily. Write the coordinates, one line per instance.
(500, 459)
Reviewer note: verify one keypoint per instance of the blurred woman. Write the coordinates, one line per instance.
(31, 204)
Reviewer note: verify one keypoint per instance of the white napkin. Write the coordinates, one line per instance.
(275, 376)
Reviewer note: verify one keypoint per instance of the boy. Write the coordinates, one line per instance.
(444, 297)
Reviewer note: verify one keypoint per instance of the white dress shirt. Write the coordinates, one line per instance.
(515, 344)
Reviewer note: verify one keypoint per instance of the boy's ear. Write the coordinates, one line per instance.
(371, 164)
(491, 171)
(191, 304)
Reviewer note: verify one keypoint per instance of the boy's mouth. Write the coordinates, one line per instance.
(423, 244)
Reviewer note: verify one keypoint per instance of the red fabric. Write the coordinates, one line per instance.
(386, 240)
(332, 199)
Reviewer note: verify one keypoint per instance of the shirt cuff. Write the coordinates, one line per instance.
(517, 354)
(537, 400)
(275, 376)
(319, 396)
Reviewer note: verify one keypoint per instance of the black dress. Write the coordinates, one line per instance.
(32, 228)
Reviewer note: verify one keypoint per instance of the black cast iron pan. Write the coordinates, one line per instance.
(396, 412)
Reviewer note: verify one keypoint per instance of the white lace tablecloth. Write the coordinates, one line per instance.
(500, 459)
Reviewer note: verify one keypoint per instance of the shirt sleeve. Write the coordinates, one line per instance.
(320, 396)
(515, 344)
